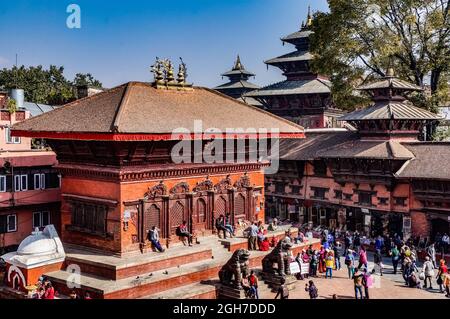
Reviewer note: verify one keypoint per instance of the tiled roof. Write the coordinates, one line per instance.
(297, 35)
(385, 110)
(237, 85)
(291, 57)
(367, 149)
(293, 87)
(391, 82)
(432, 161)
(238, 72)
(139, 108)
(309, 148)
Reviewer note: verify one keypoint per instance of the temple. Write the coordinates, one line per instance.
(304, 97)
(377, 179)
(238, 83)
(119, 156)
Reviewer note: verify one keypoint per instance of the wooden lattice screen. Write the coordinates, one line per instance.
(152, 218)
(176, 216)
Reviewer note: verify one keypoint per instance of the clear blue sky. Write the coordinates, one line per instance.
(119, 40)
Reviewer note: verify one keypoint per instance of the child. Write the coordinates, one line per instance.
(312, 290)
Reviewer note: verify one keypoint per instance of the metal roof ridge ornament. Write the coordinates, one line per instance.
(164, 75)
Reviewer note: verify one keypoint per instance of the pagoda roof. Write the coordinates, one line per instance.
(139, 111)
(291, 57)
(390, 83)
(387, 110)
(237, 85)
(430, 161)
(308, 148)
(238, 72)
(238, 69)
(304, 33)
(293, 87)
(367, 149)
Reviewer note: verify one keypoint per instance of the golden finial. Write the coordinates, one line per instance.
(390, 73)
(156, 69)
(181, 72)
(238, 65)
(309, 19)
(169, 71)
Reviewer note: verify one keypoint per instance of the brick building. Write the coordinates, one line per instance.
(29, 185)
(378, 178)
(118, 176)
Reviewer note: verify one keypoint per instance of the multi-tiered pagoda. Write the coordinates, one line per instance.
(304, 97)
(238, 84)
(378, 179)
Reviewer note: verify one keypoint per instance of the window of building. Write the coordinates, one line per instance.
(89, 218)
(348, 196)
(337, 194)
(39, 181)
(2, 183)
(365, 198)
(41, 219)
(20, 183)
(8, 223)
(383, 200)
(11, 139)
(400, 201)
(295, 189)
(319, 193)
(280, 188)
(320, 168)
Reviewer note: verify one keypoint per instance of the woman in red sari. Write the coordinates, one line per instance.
(322, 256)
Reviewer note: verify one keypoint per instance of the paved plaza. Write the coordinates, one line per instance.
(388, 286)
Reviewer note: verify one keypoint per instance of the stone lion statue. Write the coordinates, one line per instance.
(235, 269)
(281, 256)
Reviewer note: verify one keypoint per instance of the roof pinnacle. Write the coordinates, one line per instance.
(238, 65)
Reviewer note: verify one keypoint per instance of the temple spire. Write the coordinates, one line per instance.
(238, 65)
(309, 19)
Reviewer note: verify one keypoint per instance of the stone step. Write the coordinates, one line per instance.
(202, 290)
(115, 268)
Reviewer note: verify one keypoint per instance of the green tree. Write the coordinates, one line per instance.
(47, 86)
(86, 79)
(358, 40)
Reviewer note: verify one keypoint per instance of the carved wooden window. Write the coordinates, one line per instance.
(365, 198)
(319, 193)
(89, 218)
(338, 194)
(152, 217)
(176, 216)
(221, 207)
(400, 201)
(240, 206)
(201, 211)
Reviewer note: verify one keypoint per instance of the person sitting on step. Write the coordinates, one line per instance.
(153, 237)
(183, 232)
(228, 224)
(220, 226)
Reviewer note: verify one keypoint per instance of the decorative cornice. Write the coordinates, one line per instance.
(118, 175)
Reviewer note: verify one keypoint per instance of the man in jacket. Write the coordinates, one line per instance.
(428, 269)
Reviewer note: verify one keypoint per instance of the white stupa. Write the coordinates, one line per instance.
(39, 249)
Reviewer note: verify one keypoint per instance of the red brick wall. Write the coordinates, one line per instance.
(420, 226)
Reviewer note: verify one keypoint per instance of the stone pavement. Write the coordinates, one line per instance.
(388, 286)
